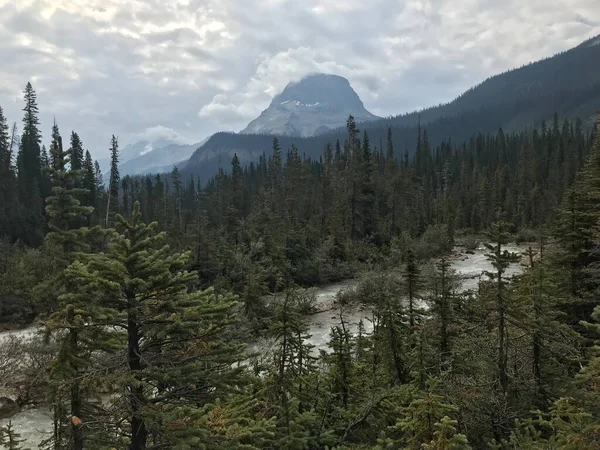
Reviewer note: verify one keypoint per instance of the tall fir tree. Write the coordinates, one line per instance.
(73, 318)
(31, 182)
(113, 183)
(177, 359)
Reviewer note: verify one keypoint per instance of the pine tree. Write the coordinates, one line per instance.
(443, 308)
(276, 177)
(10, 439)
(412, 279)
(446, 437)
(390, 333)
(29, 164)
(177, 191)
(5, 150)
(501, 260)
(553, 343)
(88, 181)
(113, 184)
(9, 208)
(74, 316)
(418, 424)
(341, 344)
(292, 360)
(56, 144)
(77, 154)
(354, 154)
(177, 359)
(367, 194)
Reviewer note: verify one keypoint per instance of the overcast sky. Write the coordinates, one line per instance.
(187, 68)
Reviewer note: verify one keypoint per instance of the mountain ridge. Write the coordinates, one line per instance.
(515, 100)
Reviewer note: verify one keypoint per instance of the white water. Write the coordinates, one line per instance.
(35, 424)
(472, 268)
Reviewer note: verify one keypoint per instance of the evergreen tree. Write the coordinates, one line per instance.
(443, 308)
(177, 359)
(446, 437)
(113, 183)
(9, 208)
(412, 278)
(419, 423)
(56, 144)
(29, 164)
(177, 191)
(74, 316)
(10, 439)
(341, 344)
(501, 260)
(5, 150)
(367, 194)
(77, 154)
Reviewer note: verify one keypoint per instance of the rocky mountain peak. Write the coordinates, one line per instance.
(317, 103)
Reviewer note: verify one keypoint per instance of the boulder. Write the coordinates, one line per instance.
(8, 408)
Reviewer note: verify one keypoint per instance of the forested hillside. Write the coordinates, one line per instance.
(520, 99)
(147, 290)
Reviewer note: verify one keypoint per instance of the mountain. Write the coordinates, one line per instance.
(316, 104)
(147, 157)
(159, 159)
(567, 84)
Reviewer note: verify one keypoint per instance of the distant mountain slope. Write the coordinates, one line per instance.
(159, 159)
(567, 83)
(559, 80)
(314, 105)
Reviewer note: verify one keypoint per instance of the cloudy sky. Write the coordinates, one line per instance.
(187, 68)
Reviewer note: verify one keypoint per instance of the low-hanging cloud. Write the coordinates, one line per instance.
(187, 68)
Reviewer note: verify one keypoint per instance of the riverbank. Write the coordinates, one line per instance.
(35, 424)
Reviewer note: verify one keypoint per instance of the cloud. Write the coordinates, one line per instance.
(158, 132)
(183, 69)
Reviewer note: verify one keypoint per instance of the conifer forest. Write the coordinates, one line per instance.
(171, 311)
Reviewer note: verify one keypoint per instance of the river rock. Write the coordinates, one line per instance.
(8, 408)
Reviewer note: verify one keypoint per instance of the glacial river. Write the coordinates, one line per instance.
(35, 424)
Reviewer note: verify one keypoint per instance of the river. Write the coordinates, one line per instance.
(35, 424)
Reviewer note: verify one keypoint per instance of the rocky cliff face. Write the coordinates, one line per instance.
(314, 105)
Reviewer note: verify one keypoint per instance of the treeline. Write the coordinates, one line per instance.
(305, 220)
(289, 218)
(25, 176)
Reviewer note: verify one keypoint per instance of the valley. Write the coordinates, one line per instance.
(35, 424)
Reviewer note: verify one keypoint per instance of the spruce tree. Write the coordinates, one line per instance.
(412, 280)
(276, 177)
(9, 208)
(56, 144)
(501, 260)
(367, 194)
(354, 156)
(77, 154)
(443, 308)
(29, 164)
(113, 183)
(5, 150)
(341, 344)
(10, 439)
(177, 191)
(418, 423)
(176, 357)
(446, 437)
(74, 316)
(554, 345)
